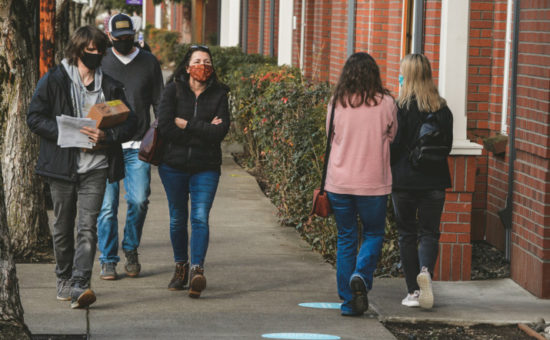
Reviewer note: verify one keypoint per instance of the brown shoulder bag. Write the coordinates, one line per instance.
(321, 205)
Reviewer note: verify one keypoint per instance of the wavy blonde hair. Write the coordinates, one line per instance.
(418, 84)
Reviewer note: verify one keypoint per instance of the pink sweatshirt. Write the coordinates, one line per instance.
(359, 162)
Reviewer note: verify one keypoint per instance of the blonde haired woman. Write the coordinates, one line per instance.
(419, 191)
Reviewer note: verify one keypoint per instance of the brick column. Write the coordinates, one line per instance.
(455, 251)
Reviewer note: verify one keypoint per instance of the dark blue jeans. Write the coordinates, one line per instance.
(201, 187)
(371, 210)
(137, 185)
(418, 214)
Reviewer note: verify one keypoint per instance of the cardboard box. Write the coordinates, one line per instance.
(109, 114)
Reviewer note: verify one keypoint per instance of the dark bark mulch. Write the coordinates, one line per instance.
(431, 331)
(488, 262)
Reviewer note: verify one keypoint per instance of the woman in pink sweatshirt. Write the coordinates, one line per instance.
(359, 175)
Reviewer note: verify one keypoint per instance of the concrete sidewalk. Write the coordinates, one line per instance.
(497, 302)
(258, 273)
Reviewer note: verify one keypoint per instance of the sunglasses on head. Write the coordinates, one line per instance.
(193, 47)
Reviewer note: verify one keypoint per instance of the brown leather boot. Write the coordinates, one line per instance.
(198, 282)
(181, 275)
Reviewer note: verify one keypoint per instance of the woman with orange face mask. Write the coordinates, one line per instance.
(193, 121)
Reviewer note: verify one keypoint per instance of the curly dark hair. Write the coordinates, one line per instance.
(360, 82)
(181, 74)
(81, 39)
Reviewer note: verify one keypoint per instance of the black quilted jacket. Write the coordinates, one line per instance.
(198, 147)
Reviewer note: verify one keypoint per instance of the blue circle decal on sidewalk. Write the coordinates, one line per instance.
(300, 336)
(323, 305)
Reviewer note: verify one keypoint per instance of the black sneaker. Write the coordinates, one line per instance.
(81, 295)
(198, 281)
(108, 271)
(359, 300)
(180, 278)
(132, 265)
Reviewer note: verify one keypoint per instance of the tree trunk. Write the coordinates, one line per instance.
(23, 190)
(12, 325)
(62, 28)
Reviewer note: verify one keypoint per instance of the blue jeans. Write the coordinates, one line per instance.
(372, 212)
(418, 214)
(137, 185)
(202, 188)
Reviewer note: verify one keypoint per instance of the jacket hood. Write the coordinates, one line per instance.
(74, 75)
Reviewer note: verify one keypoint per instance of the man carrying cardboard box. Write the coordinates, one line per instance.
(141, 75)
(77, 178)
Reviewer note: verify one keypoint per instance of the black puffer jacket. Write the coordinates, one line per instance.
(405, 177)
(52, 98)
(198, 147)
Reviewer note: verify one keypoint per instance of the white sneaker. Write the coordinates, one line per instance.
(411, 300)
(426, 297)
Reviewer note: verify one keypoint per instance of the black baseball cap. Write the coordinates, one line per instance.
(120, 25)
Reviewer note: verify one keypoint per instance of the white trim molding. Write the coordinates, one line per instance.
(284, 50)
(230, 23)
(453, 71)
(158, 17)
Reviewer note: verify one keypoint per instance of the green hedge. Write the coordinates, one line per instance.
(164, 44)
(279, 117)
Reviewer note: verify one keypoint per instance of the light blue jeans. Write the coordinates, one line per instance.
(201, 187)
(371, 210)
(137, 182)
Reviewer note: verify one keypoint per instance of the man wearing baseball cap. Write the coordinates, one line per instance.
(141, 75)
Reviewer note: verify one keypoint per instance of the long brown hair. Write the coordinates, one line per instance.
(418, 84)
(360, 82)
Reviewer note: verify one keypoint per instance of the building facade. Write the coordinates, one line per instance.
(197, 21)
(500, 101)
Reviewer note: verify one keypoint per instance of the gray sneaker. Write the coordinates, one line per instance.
(81, 294)
(132, 265)
(63, 289)
(108, 271)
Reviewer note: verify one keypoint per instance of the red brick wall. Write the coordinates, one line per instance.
(493, 170)
(485, 78)
(455, 251)
(296, 34)
(276, 28)
(531, 221)
(338, 39)
(308, 39)
(362, 25)
(432, 31)
(150, 13)
(393, 55)
(321, 28)
(267, 27)
(253, 26)
(380, 35)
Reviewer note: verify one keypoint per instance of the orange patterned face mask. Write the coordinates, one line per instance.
(201, 72)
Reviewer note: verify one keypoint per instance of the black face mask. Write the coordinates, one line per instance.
(91, 60)
(123, 46)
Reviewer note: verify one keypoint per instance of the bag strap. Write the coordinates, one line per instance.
(328, 148)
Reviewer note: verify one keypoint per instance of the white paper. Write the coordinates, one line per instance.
(69, 135)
